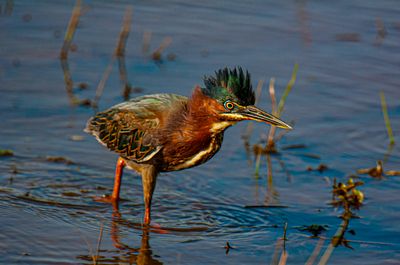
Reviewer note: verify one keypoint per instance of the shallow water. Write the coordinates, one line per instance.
(46, 208)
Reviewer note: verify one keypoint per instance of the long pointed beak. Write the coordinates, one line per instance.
(256, 114)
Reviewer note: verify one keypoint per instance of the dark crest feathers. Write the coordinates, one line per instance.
(235, 81)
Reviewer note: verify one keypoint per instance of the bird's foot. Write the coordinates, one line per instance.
(107, 199)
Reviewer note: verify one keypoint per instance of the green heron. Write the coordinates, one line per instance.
(168, 132)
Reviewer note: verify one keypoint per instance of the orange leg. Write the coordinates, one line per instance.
(118, 177)
(149, 177)
(114, 198)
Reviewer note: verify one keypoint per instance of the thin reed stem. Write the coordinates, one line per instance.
(386, 117)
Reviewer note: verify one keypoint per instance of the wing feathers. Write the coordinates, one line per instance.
(130, 128)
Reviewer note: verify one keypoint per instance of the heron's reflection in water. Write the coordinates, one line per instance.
(140, 256)
(123, 253)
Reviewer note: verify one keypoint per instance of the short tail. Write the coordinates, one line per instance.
(90, 128)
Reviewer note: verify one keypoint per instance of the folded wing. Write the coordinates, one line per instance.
(130, 128)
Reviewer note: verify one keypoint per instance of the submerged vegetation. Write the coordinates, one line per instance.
(118, 55)
(345, 196)
(270, 146)
(6, 152)
(378, 172)
(387, 120)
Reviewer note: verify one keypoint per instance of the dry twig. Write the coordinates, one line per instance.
(98, 244)
(69, 35)
(119, 52)
(270, 147)
(156, 55)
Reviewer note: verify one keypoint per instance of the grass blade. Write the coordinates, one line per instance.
(386, 117)
(288, 89)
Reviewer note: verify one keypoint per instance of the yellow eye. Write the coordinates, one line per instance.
(229, 105)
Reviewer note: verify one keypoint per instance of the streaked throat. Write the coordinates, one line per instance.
(220, 126)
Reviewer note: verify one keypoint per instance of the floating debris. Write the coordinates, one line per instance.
(85, 102)
(76, 138)
(392, 173)
(378, 172)
(70, 194)
(375, 172)
(347, 196)
(227, 247)
(6, 152)
(351, 232)
(59, 159)
(321, 168)
(294, 146)
(314, 229)
(83, 86)
(314, 156)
